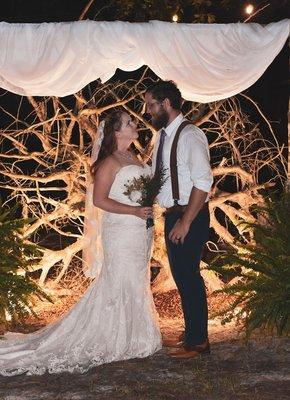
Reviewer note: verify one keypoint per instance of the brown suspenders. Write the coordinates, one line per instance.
(173, 162)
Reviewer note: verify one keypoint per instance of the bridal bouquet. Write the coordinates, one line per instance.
(144, 190)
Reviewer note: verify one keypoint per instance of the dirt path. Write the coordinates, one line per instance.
(259, 370)
(234, 370)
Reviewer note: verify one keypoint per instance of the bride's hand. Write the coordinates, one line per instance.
(143, 212)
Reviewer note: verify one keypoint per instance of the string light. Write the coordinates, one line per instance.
(175, 18)
(249, 9)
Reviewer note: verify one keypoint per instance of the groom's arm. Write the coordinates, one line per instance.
(194, 147)
(195, 204)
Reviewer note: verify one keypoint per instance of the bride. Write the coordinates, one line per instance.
(115, 319)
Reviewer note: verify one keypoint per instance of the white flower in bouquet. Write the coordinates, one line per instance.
(135, 196)
(144, 190)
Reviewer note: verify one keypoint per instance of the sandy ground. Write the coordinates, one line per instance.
(257, 370)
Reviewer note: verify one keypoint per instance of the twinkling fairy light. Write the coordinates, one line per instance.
(175, 18)
(249, 9)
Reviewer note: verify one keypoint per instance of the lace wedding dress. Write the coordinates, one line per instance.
(114, 320)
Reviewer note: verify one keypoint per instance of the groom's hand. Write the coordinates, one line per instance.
(179, 231)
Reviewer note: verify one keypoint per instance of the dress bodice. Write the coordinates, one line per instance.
(123, 176)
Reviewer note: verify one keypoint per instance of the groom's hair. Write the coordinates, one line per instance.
(166, 90)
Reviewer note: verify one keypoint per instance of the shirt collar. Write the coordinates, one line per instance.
(173, 125)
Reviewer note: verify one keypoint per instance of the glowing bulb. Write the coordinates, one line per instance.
(7, 316)
(249, 9)
(175, 18)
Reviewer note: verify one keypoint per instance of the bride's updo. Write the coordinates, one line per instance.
(113, 123)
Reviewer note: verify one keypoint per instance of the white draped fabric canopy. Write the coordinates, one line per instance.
(207, 61)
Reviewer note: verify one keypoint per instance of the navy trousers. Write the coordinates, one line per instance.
(184, 260)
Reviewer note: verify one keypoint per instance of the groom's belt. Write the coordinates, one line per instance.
(179, 208)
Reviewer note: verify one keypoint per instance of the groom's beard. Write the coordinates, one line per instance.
(160, 120)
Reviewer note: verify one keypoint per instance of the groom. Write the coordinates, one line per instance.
(182, 149)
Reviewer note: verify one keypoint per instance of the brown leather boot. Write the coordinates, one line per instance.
(188, 351)
(174, 342)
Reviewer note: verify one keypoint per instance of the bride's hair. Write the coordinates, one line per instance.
(113, 123)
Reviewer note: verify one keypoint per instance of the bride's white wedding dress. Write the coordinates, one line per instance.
(114, 320)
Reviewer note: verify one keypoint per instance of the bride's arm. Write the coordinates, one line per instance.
(103, 181)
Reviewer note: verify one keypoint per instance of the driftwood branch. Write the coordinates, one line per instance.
(44, 165)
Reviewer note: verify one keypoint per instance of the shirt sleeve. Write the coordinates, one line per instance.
(196, 150)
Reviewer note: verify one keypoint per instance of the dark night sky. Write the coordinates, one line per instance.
(70, 10)
(271, 90)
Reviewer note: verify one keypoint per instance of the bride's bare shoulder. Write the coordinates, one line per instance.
(109, 165)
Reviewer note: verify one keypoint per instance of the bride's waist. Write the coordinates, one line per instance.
(124, 219)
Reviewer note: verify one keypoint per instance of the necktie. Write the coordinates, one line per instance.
(160, 150)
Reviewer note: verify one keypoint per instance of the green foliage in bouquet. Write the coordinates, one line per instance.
(17, 290)
(261, 295)
(147, 187)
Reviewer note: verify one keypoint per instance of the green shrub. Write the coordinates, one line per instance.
(261, 294)
(17, 291)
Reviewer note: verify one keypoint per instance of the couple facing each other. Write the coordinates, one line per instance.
(116, 319)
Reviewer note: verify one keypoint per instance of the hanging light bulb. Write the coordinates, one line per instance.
(175, 18)
(249, 9)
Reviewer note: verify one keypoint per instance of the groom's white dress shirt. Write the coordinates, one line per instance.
(193, 162)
